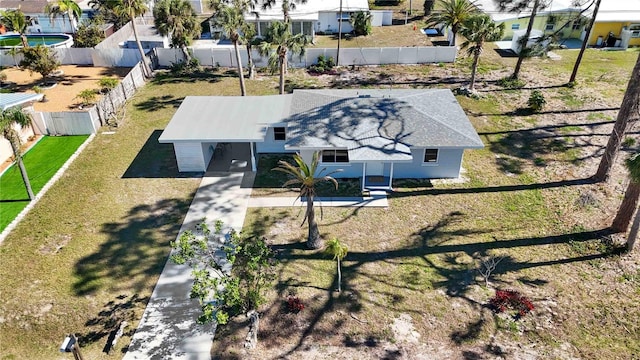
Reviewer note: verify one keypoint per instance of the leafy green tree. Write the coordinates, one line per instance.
(178, 20)
(361, 22)
(64, 8)
(517, 6)
(628, 111)
(452, 13)
(631, 196)
(9, 119)
(15, 20)
(229, 286)
(338, 251)
(88, 35)
(132, 9)
(479, 29)
(287, 7)
(231, 20)
(307, 177)
(40, 59)
(106, 12)
(280, 37)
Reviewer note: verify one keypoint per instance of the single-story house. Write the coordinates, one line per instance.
(620, 18)
(22, 100)
(617, 23)
(373, 134)
(560, 14)
(310, 18)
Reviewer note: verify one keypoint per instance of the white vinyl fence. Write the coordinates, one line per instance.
(225, 56)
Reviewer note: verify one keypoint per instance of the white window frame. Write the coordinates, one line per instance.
(635, 30)
(433, 162)
(515, 26)
(549, 26)
(335, 156)
(284, 132)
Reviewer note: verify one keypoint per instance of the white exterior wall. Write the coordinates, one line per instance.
(189, 156)
(328, 22)
(270, 145)
(448, 166)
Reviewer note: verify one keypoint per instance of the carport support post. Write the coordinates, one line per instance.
(391, 177)
(253, 158)
(364, 171)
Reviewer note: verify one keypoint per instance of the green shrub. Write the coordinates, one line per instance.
(87, 96)
(323, 65)
(510, 83)
(107, 83)
(536, 100)
(361, 22)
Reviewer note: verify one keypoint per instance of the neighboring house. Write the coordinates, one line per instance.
(312, 17)
(561, 17)
(39, 21)
(620, 18)
(24, 100)
(373, 134)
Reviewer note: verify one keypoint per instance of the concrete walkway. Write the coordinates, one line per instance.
(168, 328)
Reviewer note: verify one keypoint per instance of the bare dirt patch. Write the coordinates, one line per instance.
(72, 80)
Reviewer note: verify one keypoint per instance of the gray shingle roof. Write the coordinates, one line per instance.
(377, 123)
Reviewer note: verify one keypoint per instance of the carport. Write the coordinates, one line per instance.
(219, 133)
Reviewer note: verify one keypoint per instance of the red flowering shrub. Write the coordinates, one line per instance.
(505, 300)
(294, 304)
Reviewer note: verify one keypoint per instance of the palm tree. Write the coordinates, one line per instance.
(283, 40)
(479, 29)
(231, 20)
(287, 6)
(516, 6)
(305, 175)
(248, 35)
(452, 14)
(15, 20)
(132, 9)
(628, 110)
(629, 204)
(338, 251)
(64, 8)
(178, 20)
(9, 119)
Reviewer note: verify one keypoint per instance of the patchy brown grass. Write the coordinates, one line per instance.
(411, 281)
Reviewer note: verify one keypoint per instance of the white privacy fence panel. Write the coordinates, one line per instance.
(115, 57)
(76, 56)
(67, 122)
(225, 57)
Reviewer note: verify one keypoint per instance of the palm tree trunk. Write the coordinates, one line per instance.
(628, 109)
(633, 233)
(339, 277)
(313, 240)
(250, 65)
(283, 66)
(23, 170)
(243, 91)
(629, 204)
(185, 51)
(145, 66)
(521, 56)
(574, 73)
(474, 69)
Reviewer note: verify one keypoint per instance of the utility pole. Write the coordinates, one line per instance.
(339, 34)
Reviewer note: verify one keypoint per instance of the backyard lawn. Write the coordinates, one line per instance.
(42, 162)
(411, 281)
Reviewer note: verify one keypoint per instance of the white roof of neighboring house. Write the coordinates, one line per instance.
(618, 10)
(610, 10)
(309, 10)
(15, 99)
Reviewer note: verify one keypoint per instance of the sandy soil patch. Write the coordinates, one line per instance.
(73, 79)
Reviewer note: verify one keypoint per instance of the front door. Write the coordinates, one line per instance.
(375, 169)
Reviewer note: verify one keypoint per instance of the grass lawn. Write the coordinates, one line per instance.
(89, 253)
(41, 162)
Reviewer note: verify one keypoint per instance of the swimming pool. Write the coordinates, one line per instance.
(50, 40)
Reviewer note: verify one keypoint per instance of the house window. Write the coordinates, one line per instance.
(576, 25)
(515, 26)
(346, 16)
(431, 155)
(551, 23)
(296, 27)
(549, 27)
(635, 30)
(335, 156)
(279, 133)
